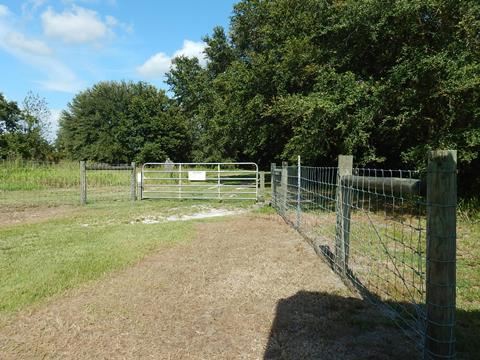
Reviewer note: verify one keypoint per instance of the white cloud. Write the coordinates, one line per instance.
(35, 53)
(62, 80)
(160, 63)
(17, 41)
(112, 22)
(30, 7)
(77, 25)
(4, 10)
(156, 66)
(192, 49)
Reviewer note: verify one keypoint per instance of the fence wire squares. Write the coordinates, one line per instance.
(33, 183)
(27, 184)
(370, 226)
(109, 182)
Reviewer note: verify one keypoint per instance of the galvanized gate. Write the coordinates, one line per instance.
(222, 181)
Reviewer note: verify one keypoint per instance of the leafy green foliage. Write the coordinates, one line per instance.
(384, 81)
(22, 129)
(117, 122)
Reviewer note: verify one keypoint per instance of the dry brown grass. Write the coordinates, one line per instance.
(247, 288)
(28, 214)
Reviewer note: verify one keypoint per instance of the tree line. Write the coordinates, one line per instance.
(385, 81)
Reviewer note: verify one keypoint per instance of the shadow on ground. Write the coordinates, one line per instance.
(468, 334)
(317, 325)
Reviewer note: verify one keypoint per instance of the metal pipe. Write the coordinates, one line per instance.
(385, 185)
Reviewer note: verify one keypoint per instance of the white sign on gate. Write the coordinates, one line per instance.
(197, 175)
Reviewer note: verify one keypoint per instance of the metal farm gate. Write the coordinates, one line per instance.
(221, 181)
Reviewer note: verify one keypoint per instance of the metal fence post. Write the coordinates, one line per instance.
(284, 188)
(219, 184)
(299, 193)
(83, 183)
(343, 210)
(262, 185)
(180, 181)
(133, 182)
(140, 185)
(441, 254)
(273, 184)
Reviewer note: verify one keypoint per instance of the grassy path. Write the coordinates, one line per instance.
(47, 250)
(247, 287)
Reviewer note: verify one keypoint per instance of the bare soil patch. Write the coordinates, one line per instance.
(248, 287)
(12, 215)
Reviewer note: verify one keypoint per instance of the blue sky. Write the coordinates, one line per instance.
(58, 47)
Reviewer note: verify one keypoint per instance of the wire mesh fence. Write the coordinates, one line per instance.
(370, 225)
(32, 183)
(107, 182)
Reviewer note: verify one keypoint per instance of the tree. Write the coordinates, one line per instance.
(117, 122)
(22, 130)
(9, 115)
(383, 80)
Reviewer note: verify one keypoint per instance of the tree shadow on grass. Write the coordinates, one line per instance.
(317, 325)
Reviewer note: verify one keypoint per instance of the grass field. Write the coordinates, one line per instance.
(44, 258)
(49, 243)
(41, 183)
(25, 176)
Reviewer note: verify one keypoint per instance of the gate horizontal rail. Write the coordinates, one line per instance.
(220, 181)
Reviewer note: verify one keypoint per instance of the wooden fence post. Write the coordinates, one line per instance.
(83, 183)
(262, 185)
(133, 182)
(284, 188)
(343, 211)
(441, 254)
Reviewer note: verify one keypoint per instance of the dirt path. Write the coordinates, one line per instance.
(247, 288)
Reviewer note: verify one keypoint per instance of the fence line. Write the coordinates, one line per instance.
(118, 188)
(372, 227)
(25, 183)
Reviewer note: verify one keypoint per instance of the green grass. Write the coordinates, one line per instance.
(24, 176)
(468, 290)
(27, 183)
(266, 210)
(372, 265)
(469, 210)
(44, 258)
(36, 183)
